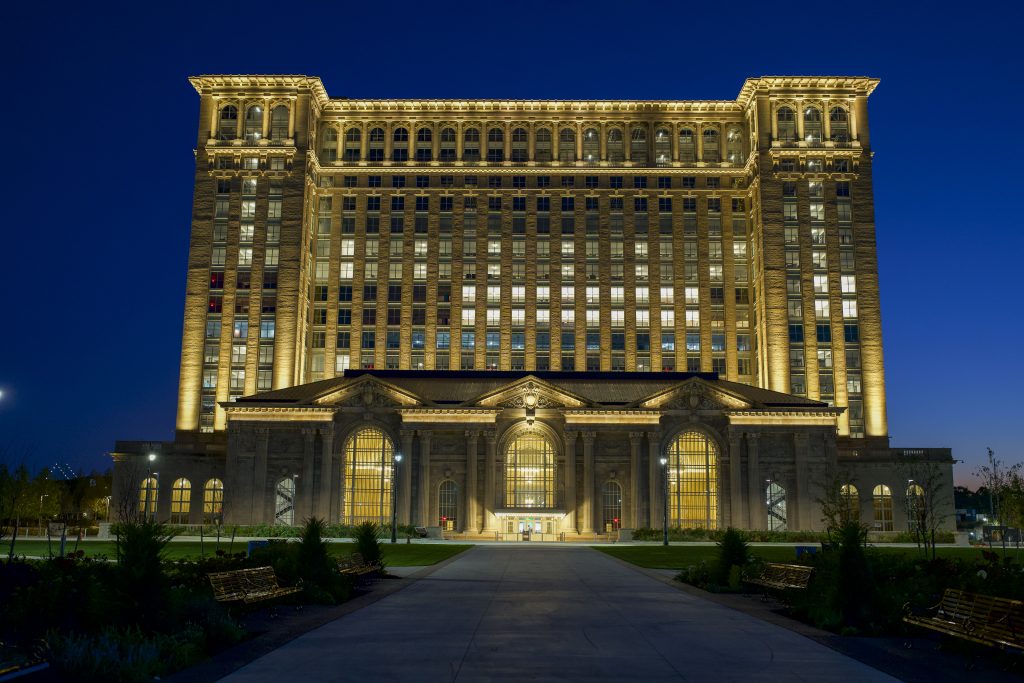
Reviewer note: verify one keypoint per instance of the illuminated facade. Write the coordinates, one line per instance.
(732, 239)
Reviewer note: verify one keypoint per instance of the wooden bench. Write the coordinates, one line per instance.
(248, 585)
(355, 565)
(777, 576)
(997, 622)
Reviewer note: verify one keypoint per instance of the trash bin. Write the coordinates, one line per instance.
(809, 549)
(526, 534)
(253, 545)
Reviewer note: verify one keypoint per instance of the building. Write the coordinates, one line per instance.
(437, 254)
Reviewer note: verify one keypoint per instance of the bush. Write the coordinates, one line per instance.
(733, 551)
(123, 655)
(367, 543)
(140, 550)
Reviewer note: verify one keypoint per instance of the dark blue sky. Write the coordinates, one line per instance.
(100, 123)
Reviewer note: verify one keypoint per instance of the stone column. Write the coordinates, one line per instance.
(587, 525)
(654, 484)
(339, 144)
(675, 142)
(735, 480)
(405, 478)
(635, 486)
(364, 142)
(491, 439)
(801, 494)
(755, 497)
(424, 492)
(458, 141)
(291, 119)
(325, 508)
(627, 141)
(388, 142)
(603, 142)
(699, 132)
(265, 128)
(826, 122)
(531, 142)
(579, 142)
(258, 495)
(570, 482)
(304, 486)
(506, 153)
(214, 116)
(555, 128)
(471, 525)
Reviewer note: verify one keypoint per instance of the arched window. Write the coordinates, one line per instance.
(329, 146)
(253, 123)
(400, 145)
(591, 146)
(850, 498)
(447, 152)
(448, 505)
(227, 123)
(279, 123)
(611, 498)
(734, 146)
(284, 502)
(181, 499)
(495, 145)
(638, 145)
(916, 510)
(693, 482)
(711, 151)
(662, 147)
(369, 469)
(616, 150)
(542, 145)
(148, 490)
(839, 124)
(520, 146)
(687, 146)
(775, 498)
(424, 144)
(375, 152)
(530, 472)
(213, 502)
(786, 124)
(567, 145)
(471, 145)
(812, 125)
(881, 501)
(353, 141)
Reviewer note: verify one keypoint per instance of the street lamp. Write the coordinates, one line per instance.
(150, 459)
(45, 495)
(394, 498)
(664, 501)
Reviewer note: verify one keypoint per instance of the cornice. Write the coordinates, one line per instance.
(207, 84)
(857, 85)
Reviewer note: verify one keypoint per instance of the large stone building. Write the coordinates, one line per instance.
(534, 303)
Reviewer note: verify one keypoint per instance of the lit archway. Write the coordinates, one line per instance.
(448, 505)
(693, 481)
(181, 501)
(881, 502)
(369, 471)
(611, 499)
(530, 471)
(213, 501)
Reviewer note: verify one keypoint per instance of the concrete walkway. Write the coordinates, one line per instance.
(542, 613)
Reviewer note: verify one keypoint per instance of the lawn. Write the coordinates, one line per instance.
(398, 555)
(679, 556)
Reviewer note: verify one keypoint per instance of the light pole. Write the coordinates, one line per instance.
(664, 501)
(394, 498)
(45, 495)
(150, 459)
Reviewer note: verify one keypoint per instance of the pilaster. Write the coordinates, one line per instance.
(472, 523)
(570, 482)
(635, 484)
(587, 524)
(405, 477)
(490, 522)
(424, 488)
(755, 496)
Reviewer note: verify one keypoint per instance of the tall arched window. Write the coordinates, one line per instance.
(284, 502)
(734, 146)
(839, 124)
(638, 145)
(447, 152)
(693, 482)
(812, 125)
(916, 510)
(611, 498)
(181, 499)
(775, 498)
(881, 502)
(786, 123)
(400, 144)
(530, 472)
(567, 145)
(279, 123)
(471, 145)
(542, 145)
(369, 470)
(495, 145)
(850, 498)
(329, 146)
(253, 123)
(424, 144)
(687, 146)
(711, 152)
(448, 505)
(148, 490)
(520, 146)
(353, 142)
(375, 152)
(213, 502)
(616, 150)
(227, 123)
(591, 146)
(662, 147)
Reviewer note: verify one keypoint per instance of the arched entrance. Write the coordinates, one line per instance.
(530, 498)
(369, 471)
(693, 481)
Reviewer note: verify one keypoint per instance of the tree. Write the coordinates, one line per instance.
(926, 511)
(834, 505)
(1006, 490)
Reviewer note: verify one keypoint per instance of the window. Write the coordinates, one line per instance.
(786, 124)
(253, 123)
(567, 145)
(284, 502)
(839, 123)
(687, 146)
(775, 499)
(638, 145)
(591, 146)
(148, 490)
(279, 123)
(917, 513)
(711, 151)
(530, 472)
(542, 147)
(400, 145)
(448, 505)
(181, 495)
(662, 147)
(851, 503)
(611, 498)
(227, 123)
(616, 151)
(495, 145)
(471, 145)
(881, 503)
(213, 502)
(447, 150)
(692, 482)
(369, 464)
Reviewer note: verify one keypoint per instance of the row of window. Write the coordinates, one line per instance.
(251, 126)
(181, 500)
(523, 182)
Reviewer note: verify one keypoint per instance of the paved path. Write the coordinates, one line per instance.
(538, 613)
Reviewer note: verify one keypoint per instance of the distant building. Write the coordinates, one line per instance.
(533, 302)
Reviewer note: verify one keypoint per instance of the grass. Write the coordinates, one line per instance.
(398, 555)
(679, 556)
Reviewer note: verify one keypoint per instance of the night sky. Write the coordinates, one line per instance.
(100, 124)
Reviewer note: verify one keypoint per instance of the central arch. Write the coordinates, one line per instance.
(530, 471)
(369, 472)
(693, 481)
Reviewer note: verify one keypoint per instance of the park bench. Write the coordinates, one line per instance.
(355, 565)
(248, 585)
(777, 576)
(998, 622)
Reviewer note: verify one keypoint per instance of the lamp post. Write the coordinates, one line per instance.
(664, 501)
(45, 495)
(394, 499)
(150, 459)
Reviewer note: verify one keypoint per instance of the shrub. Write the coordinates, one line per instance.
(123, 655)
(696, 575)
(367, 543)
(733, 551)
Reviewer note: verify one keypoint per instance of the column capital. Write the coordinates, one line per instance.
(262, 432)
(588, 438)
(492, 437)
(752, 437)
(635, 438)
(472, 433)
(424, 434)
(308, 433)
(802, 437)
